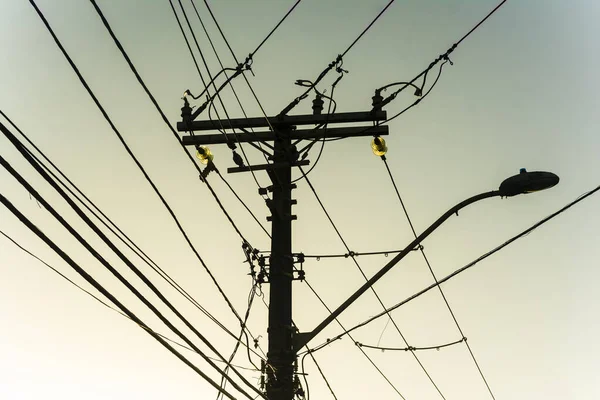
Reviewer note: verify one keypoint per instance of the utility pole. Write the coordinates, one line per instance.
(281, 357)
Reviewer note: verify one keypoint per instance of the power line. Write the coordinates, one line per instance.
(262, 109)
(148, 179)
(411, 348)
(372, 289)
(251, 55)
(444, 57)
(367, 28)
(145, 327)
(217, 91)
(105, 292)
(164, 117)
(337, 63)
(460, 270)
(422, 250)
(112, 227)
(228, 81)
(111, 245)
(383, 375)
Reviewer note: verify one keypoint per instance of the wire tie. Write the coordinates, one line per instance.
(385, 254)
(318, 258)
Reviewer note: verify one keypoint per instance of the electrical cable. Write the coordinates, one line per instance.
(217, 92)
(422, 250)
(351, 338)
(105, 292)
(462, 269)
(165, 119)
(337, 63)
(247, 62)
(103, 261)
(367, 28)
(444, 57)
(330, 112)
(112, 227)
(372, 289)
(116, 131)
(251, 55)
(108, 305)
(251, 296)
(411, 348)
(262, 109)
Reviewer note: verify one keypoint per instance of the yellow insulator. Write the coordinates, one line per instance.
(378, 146)
(204, 154)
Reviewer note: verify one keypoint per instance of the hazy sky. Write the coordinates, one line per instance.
(523, 92)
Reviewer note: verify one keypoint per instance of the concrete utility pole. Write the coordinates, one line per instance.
(283, 343)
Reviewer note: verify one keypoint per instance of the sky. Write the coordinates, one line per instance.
(521, 93)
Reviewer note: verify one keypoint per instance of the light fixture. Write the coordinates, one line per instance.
(204, 154)
(528, 182)
(378, 146)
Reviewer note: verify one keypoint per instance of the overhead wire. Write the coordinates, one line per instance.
(247, 62)
(443, 57)
(251, 296)
(443, 295)
(381, 373)
(330, 112)
(217, 92)
(110, 225)
(262, 109)
(251, 55)
(337, 62)
(462, 269)
(411, 348)
(105, 292)
(105, 304)
(372, 289)
(136, 161)
(115, 250)
(166, 121)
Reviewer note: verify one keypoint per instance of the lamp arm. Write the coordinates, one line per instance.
(301, 339)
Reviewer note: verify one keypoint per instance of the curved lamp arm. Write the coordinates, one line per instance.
(301, 339)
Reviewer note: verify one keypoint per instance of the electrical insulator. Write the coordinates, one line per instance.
(379, 147)
(204, 154)
(317, 105)
(377, 100)
(237, 159)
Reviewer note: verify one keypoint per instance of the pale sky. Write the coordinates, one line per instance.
(522, 93)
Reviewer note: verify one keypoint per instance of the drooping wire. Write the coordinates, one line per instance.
(105, 304)
(312, 356)
(247, 62)
(217, 94)
(114, 249)
(330, 112)
(462, 269)
(110, 225)
(411, 348)
(105, 292)
(422, 250)
(383, 375)
(372, 289)
(251, 296)
(122, 140)
(165, 119)
(337, 63)
(442, 57)
(260, 106)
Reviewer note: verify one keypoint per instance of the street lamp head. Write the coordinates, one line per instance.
(528, 182)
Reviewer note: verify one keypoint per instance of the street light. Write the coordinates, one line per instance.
(523, 183)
